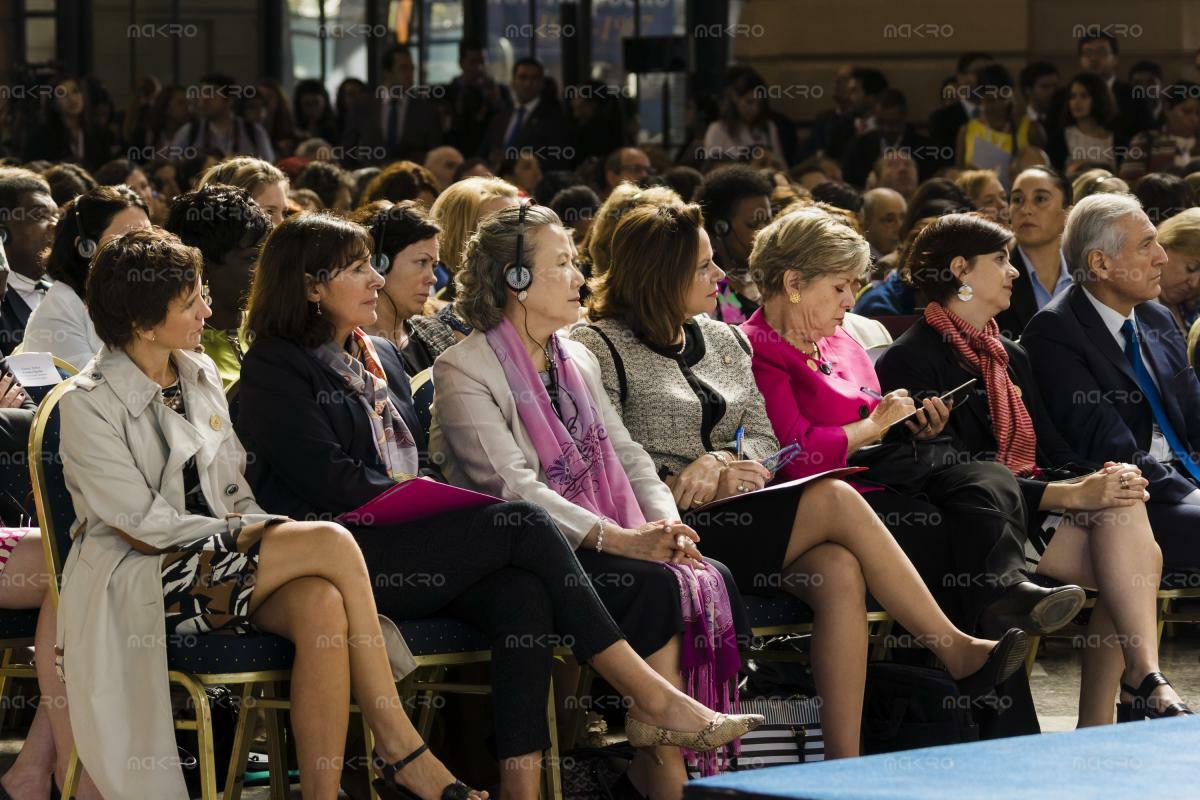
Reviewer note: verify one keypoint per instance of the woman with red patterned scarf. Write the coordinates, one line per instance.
(1092, 517)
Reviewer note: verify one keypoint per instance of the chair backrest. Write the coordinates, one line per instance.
(65, 370)
(897, 324)
(422, 393)
(56, 512)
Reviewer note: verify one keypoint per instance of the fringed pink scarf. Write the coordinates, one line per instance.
(581, 465)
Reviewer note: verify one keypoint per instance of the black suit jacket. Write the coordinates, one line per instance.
(364, 140)
(547, 132)
(1023, 304)
(943, 128)
(922, 362)
(311, 453)
(864, 150)
(14, 315)
(1093, 396)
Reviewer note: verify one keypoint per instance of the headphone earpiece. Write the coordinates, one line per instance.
(3, 235)
(380, 261)
(87, 246)
(721, 228)
(517, 276)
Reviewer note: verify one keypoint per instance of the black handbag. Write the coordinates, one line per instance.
(906, 707)
(906, 464)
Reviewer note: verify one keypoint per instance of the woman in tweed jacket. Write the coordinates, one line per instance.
(683, 386)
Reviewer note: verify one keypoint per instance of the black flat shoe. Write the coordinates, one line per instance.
(386, 784)
(1005, 658)
(55, 792)
(1037, 610)
(1141, 707)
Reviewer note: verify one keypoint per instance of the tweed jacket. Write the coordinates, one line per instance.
(658, 399)
(123, 453)
(479, 442)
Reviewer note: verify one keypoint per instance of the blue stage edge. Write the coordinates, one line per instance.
(1140, 760)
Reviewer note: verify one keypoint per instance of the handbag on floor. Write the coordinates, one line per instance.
(909, 706)
(791, 734)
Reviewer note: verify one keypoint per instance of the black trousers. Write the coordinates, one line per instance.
(1176, 528)
(508, 570)
(16, 505)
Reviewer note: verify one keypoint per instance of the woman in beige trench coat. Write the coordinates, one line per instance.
(125, 454)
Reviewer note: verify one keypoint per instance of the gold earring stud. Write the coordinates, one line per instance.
(793, 297)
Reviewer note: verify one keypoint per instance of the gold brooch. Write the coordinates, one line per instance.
(214, 422)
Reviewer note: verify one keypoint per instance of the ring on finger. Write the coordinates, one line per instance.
(741, 487)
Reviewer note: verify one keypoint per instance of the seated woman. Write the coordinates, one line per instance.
(822, 392)
(169, 539)
(458, 211)
(404, 247)
(1096, 529)
(228, 228)
(328, 419)
(60, 324)
(265, 183)
(1180, 238)
(557, 438)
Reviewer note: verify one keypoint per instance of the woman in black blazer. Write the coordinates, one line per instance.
(327, 418)
(1095, 529)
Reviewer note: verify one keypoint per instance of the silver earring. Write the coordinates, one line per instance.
(319, 312)
(965, 292)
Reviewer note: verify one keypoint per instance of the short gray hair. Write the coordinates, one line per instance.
(1093, 224)
(481, 289)
(809, 241)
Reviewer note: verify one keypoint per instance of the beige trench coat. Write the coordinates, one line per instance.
(123, 454)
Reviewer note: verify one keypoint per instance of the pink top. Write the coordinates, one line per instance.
(804, 404)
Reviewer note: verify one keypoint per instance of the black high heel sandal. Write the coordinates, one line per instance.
(1005, 658)
(1141, 708)
(386, 784)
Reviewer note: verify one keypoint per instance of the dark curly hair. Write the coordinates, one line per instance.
(217, 219)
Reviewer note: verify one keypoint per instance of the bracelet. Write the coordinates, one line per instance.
(600, 537)
(720, 455)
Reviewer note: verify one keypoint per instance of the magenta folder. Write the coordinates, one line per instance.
(840, 472)
(415, 499)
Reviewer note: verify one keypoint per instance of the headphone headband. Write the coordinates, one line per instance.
(518, 276)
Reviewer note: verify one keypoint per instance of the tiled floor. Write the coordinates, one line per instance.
(1055, 684)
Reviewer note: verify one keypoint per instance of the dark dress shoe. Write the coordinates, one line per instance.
(1141, 705)
(1004, 659)
(1034, 609)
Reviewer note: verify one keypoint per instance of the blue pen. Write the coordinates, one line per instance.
(867, 390)
(739, 436)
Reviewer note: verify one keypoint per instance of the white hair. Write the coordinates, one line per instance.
(1094, 224)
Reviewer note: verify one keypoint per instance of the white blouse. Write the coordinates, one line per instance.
(60, 325)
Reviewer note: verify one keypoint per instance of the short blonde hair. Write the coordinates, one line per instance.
(973, 181)
(1096, 181)
(456, 210)
(244, 172)
(809, 241)
(597, 245)
(1182, 233)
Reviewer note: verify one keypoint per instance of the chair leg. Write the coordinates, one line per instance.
(1164, 608)
(369, 750)
(205, 756)
(425, 716)
(277, 750)
(552, 768)
(5, 663)
(1031, 656)
(74, 774)
(235, 778)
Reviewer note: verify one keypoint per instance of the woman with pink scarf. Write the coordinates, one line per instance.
(523, 413)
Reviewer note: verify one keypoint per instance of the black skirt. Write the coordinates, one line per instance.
(750, 534)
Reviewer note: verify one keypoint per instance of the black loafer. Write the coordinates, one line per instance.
(1006, 658)
(1034, 609)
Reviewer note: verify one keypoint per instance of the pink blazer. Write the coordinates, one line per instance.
(803, 403)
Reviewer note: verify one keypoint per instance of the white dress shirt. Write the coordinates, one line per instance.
(26, 288)
(62, 327)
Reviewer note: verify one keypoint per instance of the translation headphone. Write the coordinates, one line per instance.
(87, 246)
(517, 276)
(721, 228)
(3, 235)
(381, 261)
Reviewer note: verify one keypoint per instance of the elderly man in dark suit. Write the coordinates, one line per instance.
(535, 123)
(396, 121)
(1112, 367)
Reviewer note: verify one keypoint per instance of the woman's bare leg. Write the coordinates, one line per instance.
(310, 613)
(832, 511)
(830, 580)
(294, 550)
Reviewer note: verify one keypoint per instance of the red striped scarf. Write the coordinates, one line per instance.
(1016, 441)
